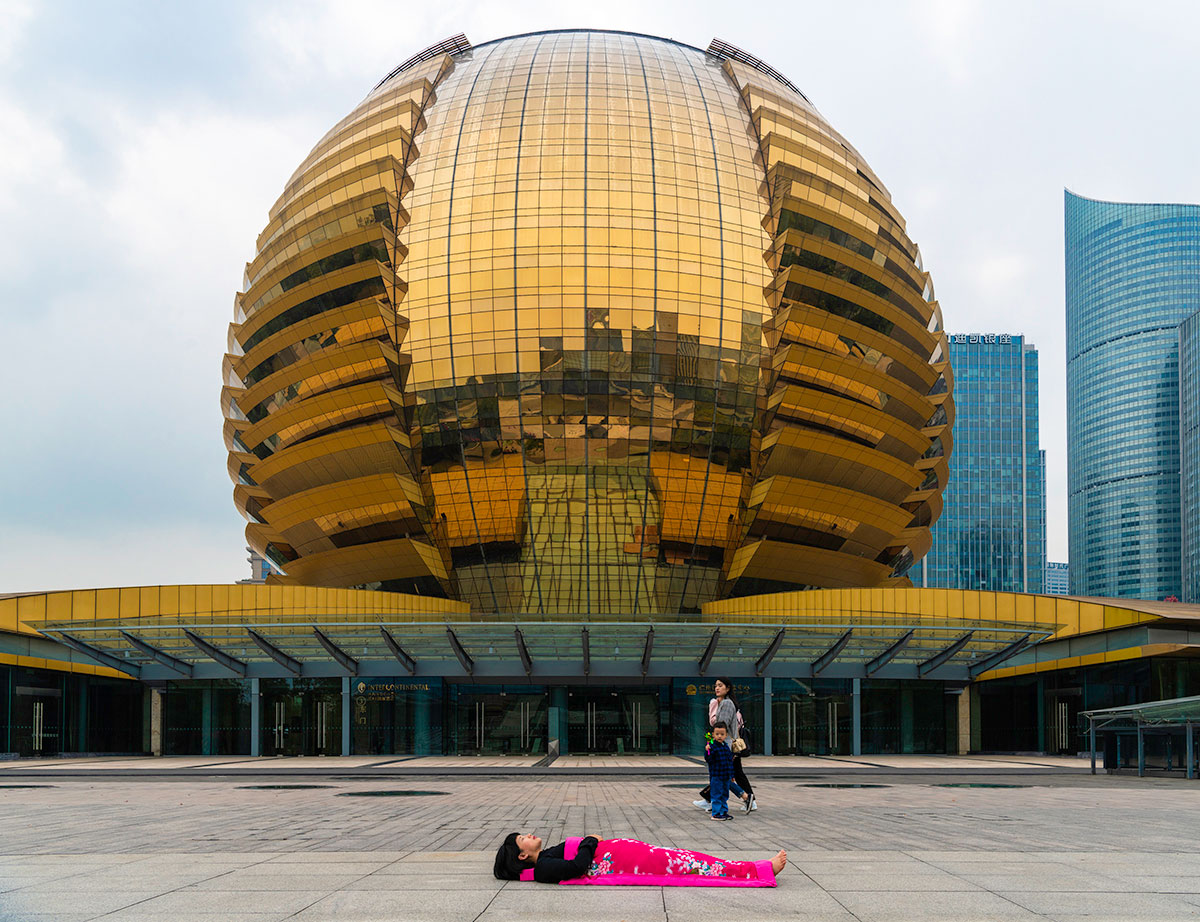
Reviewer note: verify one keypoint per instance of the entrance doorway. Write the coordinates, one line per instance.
(301, 717)
(502, 721)
(37, 721)
(1062, 719)
(604, 721)
(811, 718)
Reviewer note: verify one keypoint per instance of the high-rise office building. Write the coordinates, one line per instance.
(1189, 455)
(1058, 578)
(1132, 277)
(992, 532)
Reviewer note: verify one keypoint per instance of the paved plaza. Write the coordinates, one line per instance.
(875, 838)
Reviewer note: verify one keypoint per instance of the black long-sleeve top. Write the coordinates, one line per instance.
(552, 866)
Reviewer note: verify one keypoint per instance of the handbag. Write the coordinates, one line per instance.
(741, 745)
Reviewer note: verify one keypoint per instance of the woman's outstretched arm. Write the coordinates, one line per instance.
(549, 870)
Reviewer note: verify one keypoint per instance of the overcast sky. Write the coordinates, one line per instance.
(141, 145)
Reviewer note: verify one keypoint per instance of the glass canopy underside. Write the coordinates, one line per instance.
(538, 646)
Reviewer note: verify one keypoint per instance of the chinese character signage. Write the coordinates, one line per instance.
(976, 339)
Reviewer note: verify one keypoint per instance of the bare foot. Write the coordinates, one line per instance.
(779, 862)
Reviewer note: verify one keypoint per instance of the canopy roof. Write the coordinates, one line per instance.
(1167, 711)
(537, 647)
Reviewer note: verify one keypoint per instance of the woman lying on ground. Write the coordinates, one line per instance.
(611, 862)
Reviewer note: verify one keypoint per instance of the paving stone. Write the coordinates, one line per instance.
(17, 883)
(131, 915)
(475, 879)
(881, 906)
(1162, 884)
(378, 857)
(332, 865)
(225, 902)
(786, 901)
(47, 916)
(94, 882)
(254, 879)
(421, 906)
(579, 904)
(1116, 907)
(17, 904)
(836, 881)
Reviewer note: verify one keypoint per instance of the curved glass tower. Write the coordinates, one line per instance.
(1132, 277)
(1189, 453)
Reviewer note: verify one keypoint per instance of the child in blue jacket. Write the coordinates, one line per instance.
(720, 772)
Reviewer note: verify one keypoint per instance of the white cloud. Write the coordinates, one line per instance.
(950, 30)
(998, 270)
(31, 157)
(15, 16)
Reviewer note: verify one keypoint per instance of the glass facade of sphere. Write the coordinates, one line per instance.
(1132, 276)
(992, 531)
(587, 321)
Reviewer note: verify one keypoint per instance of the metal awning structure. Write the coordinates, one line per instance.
(536, 648)
(1164, 715)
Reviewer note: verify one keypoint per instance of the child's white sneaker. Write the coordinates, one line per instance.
(702, 804)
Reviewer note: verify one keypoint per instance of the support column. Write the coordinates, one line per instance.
(1041, 714)
(856, 717)
(156, 721)
(907, 718)
(976, 734)
(82, 723)
(422, 707)
(206, 720)
(1092, 744)
(556, 731)
(346, 715)
(1190, 752)
(767, 725)
(964, 722)
(6, 677)
(255, 719)
(1141, 752)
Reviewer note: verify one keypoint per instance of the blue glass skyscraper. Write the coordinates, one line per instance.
(992, 531)
(1189, 454)
(1133, 276)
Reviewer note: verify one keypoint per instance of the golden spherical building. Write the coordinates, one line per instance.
(587, 322)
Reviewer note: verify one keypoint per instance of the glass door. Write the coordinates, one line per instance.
(811, 719)
(613, 722)
(1062, 715)
(37, 721)
(326, 725)
(286, 726)
(302, 717)
(502, 722)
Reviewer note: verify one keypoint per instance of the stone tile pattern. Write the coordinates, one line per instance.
(1067, 848)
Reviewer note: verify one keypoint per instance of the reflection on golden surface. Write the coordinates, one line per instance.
(624, 268)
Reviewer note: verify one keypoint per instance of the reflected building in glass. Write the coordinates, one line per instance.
(1132, 277)
(587, 322)
(992, 531)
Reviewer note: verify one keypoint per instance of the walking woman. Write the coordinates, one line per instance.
(724, 709)
(616, 862)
